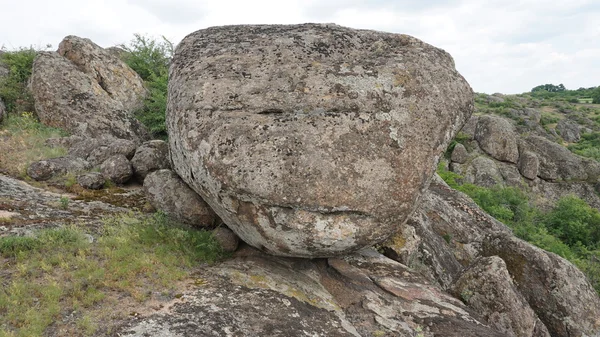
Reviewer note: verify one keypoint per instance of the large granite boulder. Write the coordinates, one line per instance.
(311, 140)
(569, 130)
(87, 91)
(498, 138)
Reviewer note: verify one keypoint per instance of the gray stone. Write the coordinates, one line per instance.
(87, 91)
(529, 165)
(66, 142)
(117, 169)
(558, 163)
(226, 238)
(498, 138)
(150, 156)
(168, 193)
(357, 295)
(46, 169)
(487, 287)
(91, 180)
(109, 148)
(483, 171)
(459, 154)
(557, 291)
(470, 127)
(569, 130)
(311, 140)
(83, 148)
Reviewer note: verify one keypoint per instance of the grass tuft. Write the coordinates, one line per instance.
(62, 280)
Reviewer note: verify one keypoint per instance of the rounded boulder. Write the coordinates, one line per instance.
(311, 140)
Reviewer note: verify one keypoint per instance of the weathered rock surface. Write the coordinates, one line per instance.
(32, 208)
(91, 180)
(226, 238)
(483, 171)
(529, 165)
(487, 288)
(117, 169)
(150, 156)
(569, 130)
(49, 168)
(459, 154)
(87, 91)
(308, 140)
(108, 148)
(558, 163)
(358, 295)
(454, 232)
(168, 193)
(498, 138)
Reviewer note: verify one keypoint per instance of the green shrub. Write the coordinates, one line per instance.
(575, 222)
(150, 59)
(13, 88)
(588, 146)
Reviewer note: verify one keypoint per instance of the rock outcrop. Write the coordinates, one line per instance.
(308, 140)
(454, 234)
(46, 169)
(87, 91)
(168, 193)
(2, 111)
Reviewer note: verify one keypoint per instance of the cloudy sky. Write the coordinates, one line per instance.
(499, 46)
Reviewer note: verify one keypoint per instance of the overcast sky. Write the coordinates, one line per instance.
(499, 46)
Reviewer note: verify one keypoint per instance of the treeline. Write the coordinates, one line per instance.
(559, 92)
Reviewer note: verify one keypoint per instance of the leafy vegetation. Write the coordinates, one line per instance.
(571, 229)
(150, 59)
(62, 272)
(588, 146)
(560, 93)
(13, 88)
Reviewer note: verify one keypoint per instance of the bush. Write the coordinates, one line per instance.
(150, 59)
(588, 146)
(575, 222)
(13, 89)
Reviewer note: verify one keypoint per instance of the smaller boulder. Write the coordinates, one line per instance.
(91, 180)
(109, 148)
(168, 193)
(150, 156)
(228, 240)
(483, 171)
(498, 138)
(488, 288)
(117, 168)
(83, 148)
(569, 130)
(459, 154)
(529, 165)
(66, 142)
(46, 169)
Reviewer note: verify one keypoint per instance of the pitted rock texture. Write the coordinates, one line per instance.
(91, 180)
(117, 169)
(454, 233)
(488, 288)
(46, 169)
(168, 193)
(151, 156)
(311, 140)
(87, 91)
(498, 138)
(358, 295)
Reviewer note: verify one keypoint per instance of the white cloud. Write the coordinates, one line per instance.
(498, 46)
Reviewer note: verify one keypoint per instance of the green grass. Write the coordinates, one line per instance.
(59, 272)
(23, 142)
